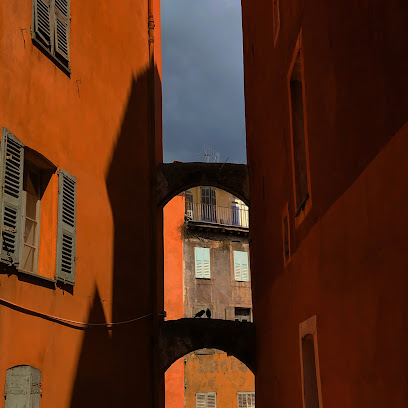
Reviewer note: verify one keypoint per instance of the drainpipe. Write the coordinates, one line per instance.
(157, 400)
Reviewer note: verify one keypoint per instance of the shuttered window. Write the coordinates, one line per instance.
(50, 28)
(11, 181)
(66, 230)
(246, 399)
(23, 387)
(241, 266)
(202, 262)
(206, 400)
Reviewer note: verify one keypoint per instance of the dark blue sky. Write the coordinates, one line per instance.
(203, 96)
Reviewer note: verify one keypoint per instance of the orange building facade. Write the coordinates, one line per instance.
(82, 96)
(208, 376)
(327, 191)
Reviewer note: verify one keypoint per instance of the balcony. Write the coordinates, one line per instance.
(234, 216)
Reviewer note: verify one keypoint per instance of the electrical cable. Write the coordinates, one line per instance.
(61, 319)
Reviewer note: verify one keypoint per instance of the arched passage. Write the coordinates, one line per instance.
(173, 178)
(180, 337)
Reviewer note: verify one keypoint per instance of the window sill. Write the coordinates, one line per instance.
(66, 70)
(303, 213)
(35, 275)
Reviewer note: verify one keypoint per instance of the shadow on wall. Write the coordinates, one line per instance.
(116, 369)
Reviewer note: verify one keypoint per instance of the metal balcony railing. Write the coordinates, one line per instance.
(215, 214)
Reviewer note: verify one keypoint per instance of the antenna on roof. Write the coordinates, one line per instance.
(210, 156)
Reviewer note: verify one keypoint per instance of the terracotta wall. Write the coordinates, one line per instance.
(173, 216)
(348, 258)
(94, 124)
(217, 373)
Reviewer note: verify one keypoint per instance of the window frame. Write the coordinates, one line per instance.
(301, 215)
(285, 214)
(306, 328)
(33, 168)
(240, 319)
(252, 393)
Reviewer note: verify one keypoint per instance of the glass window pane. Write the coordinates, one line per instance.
(27, 263)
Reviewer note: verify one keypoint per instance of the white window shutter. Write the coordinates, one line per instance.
(211, 400)
(66, 230)
(237, 265)
(201, 400)
(244, 267)
(11, 182)
(206, 263)
(61, 28)
(198, 258)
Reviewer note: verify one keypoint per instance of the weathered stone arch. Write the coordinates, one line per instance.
(180, 337)
(173, 178)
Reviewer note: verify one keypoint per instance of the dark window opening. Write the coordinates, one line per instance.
(310, 390)
(242, 314)
(298, 135)
(208, 204)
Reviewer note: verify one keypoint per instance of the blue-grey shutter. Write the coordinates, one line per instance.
(61, 27)
(66, 230)
(11, 182)
(23, 387)
(42, 22)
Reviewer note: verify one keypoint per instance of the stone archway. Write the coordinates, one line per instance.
(180, 337)
(173, 178)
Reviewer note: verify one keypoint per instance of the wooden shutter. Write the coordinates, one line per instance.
(42, 22)
(244, 267)
(23, 387)
(11, 181)
(61, 28)
(206, 263)
(237, 265)
(66, 231)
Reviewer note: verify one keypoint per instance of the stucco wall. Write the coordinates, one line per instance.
(94, 125)
(348, 255)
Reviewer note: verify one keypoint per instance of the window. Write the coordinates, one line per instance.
(242, 314)
(286, 235)
(241, 268)
(24, 176)
(31, 218)
(246, 399)
(23, 387)
(276, 20)
(206, 400)
(202, 263)
(50, 29)
(300, 165)
(309, 364)
(208, 204)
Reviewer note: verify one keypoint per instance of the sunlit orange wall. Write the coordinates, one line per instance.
(349, 257)
(173, 220)
(217, 373)
(94, 125)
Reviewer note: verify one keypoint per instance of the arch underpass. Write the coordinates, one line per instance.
(173, 178)
(180, 337)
